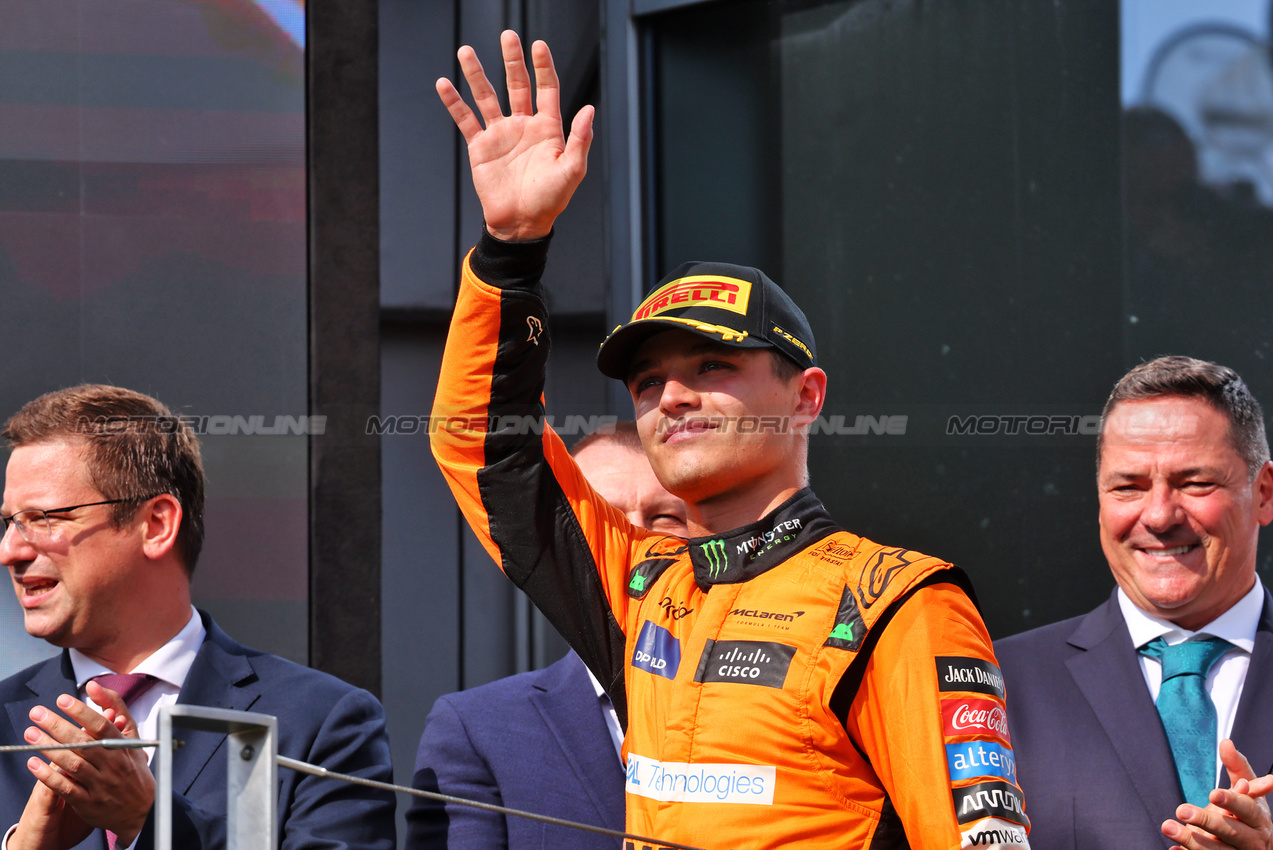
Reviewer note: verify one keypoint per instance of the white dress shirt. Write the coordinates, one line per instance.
(170, 664)
(1225, 680)
(610, 715)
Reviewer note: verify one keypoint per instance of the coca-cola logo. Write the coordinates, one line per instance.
(982, 717)
(993, 719)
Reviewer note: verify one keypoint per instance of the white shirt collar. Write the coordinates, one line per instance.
(1237, 625)
(170, 663)
(596, 685)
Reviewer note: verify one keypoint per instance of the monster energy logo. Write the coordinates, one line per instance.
(714, 551)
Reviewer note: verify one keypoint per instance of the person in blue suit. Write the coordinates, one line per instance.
(546, 741)
(1184, 485)
(103, 523)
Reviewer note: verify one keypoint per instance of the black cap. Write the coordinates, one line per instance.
(736, 305)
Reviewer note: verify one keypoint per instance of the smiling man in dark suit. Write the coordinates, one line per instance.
(103, 523)
(1122, 717)
(546, 741)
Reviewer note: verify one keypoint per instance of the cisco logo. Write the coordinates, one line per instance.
(746, 662)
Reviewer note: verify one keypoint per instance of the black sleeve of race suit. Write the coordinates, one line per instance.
(510, 265)
(531, 519)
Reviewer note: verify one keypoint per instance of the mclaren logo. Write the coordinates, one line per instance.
(536, 328)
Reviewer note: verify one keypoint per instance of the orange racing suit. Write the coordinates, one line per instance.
(785, 683)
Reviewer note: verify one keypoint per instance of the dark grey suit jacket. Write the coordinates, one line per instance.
(1092, 757)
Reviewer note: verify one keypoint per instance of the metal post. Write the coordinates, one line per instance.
(251, 776)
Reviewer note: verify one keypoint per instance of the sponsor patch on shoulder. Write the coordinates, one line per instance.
(879, 571)
(657, 651)
(993, 832)
(971, 759)
(751, 784)
(834, 551)
(849, 630)
(985, 718)
(993, 799)
(658, 558)
(959, 673)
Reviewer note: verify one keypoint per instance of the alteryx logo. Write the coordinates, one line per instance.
(717, 560)
(981, 758)
(657, 651)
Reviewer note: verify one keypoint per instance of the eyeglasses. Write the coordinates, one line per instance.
(33, 523)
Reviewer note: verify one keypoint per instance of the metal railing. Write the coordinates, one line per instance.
(252, 763)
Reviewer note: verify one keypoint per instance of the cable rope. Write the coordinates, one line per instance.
(315, 770)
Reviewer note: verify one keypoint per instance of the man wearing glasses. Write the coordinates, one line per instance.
(103, 523)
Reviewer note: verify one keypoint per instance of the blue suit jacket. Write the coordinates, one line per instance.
(1092, 756)
(320, 720)
(536, 741)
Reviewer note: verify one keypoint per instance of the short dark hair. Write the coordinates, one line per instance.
(136, 448)
(1219, 386)
(784, 368)
(624, 435)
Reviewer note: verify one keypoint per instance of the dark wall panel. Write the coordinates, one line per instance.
(949, 217)
(344, 321)
(418, 152)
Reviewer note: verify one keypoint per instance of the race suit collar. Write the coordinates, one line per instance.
(744, 553)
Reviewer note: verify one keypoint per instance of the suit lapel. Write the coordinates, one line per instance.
(1108, 675)
(52, 679)
(221, 677)
(587, 746)
(1253, 726)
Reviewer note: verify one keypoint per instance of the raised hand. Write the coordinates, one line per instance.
(525, 169)
(1235, 818)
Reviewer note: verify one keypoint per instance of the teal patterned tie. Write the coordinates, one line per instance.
(1188, 715)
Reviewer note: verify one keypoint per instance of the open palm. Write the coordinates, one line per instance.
(525, 169)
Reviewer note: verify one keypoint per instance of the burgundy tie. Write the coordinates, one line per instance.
(129, 686)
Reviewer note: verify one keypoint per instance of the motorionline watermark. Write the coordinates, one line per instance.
(984, 425)
(575, 425)
(213, 425)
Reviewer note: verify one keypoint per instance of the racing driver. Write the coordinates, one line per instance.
(783, 681)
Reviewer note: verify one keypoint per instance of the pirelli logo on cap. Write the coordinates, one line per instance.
(700, 290)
